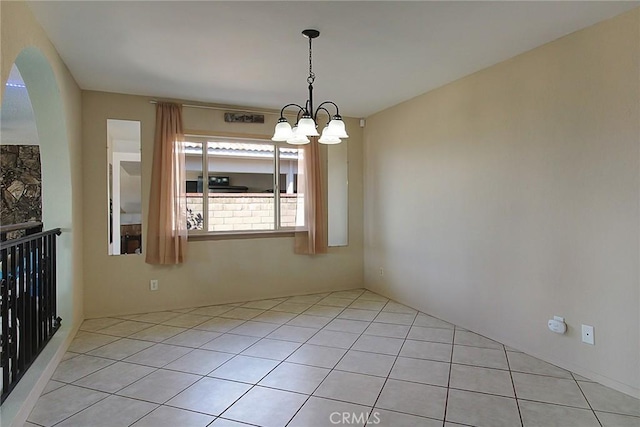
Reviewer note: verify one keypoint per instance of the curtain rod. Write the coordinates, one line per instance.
(209, 107)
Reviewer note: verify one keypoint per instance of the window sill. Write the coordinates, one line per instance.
(235, 235)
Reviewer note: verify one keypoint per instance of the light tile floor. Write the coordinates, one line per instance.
(314, 360)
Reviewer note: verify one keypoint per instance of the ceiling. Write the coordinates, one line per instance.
(17, 122)
(369, 56)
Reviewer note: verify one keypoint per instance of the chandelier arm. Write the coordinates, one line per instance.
(332, 103)
(290, 105)
(320, 107)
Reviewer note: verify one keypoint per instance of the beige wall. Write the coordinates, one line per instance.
(512, 195)
(55, 97)
(216, 271)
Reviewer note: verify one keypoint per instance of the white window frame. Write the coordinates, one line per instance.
(204, 140)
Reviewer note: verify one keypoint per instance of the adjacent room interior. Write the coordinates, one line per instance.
(192, 236)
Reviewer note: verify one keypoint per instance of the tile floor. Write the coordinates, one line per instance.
(307, 361)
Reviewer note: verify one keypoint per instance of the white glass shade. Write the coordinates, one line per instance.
(336, 128)
(298, 138)
(283, 132)
(307, 127)
(328, 139)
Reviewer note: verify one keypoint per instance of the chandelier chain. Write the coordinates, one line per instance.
(312, 76)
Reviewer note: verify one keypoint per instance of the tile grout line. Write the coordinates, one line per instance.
(156, 369)
(207, 375)
(76, 413)
(280, 362)
(144, 415)
(446, 402)
(330, 370)
(409, 381)
(254, 385)
(404, 340)
(118, 395)
(513, 384)
(586, 399)
(123, 361)
(230, 331)
(229, 419)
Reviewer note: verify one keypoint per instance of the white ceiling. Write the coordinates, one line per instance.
(370, 55)
(17, 122)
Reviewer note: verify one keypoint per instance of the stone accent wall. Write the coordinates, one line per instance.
(244, 211)
(20, 184)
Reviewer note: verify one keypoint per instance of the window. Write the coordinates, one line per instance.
(240, 185)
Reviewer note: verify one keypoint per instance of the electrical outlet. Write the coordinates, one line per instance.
(587, 334)
(153, 285)
(381, 271)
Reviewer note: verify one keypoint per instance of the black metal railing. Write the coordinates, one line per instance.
(14, 231)
(27, 301)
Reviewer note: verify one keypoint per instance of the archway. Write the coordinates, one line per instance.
(21, 173)
(50, 122)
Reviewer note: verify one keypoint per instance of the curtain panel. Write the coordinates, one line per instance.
(312, 240)
(167, 224)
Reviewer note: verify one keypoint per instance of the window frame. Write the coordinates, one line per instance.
(278, 230)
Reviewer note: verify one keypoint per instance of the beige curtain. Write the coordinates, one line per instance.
(313, 240)
(167, 224)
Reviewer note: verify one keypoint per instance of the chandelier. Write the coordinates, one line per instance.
(307, 117)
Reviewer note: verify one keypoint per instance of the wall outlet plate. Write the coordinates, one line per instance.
(153, 285)
(587, 334)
